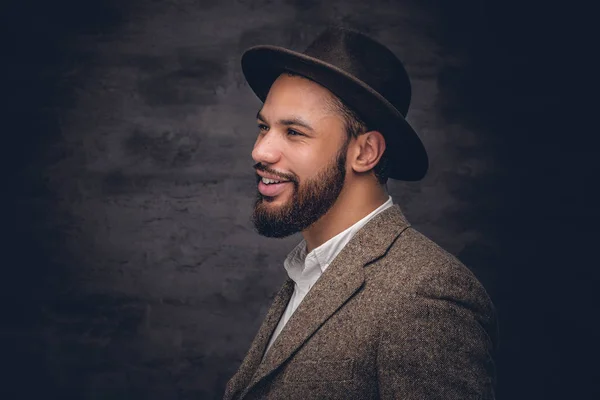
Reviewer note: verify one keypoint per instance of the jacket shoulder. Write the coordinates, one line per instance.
(436, 323)
(415, 266)
(421, 262)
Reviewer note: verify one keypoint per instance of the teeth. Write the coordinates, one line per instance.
(269, 181)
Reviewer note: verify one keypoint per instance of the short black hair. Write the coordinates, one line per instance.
(355, 126)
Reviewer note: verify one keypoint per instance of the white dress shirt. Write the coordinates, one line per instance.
(305, 269)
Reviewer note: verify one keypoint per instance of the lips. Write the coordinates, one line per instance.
(272, 189)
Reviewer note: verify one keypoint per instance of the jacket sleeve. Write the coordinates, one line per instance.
(437, 342)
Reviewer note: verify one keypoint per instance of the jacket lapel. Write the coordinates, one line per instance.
(339, 282)
(259, 344)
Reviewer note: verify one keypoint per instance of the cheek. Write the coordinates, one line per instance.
(308, 163)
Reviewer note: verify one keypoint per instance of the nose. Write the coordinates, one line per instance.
(266, 149)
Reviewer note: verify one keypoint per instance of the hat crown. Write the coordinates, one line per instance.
(367, 60)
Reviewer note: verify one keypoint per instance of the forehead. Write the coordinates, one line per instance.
(300, 95)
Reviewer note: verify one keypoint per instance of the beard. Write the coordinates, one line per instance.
(308, 203)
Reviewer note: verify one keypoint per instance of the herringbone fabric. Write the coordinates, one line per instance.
(393, 317)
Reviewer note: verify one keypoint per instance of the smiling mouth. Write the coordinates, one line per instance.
(271, 187)
(268, 181)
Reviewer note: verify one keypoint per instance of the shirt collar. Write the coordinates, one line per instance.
(299, 264)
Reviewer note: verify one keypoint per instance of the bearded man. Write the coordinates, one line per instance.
(372, 308)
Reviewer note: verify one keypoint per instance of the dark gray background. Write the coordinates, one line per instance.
(130, 268)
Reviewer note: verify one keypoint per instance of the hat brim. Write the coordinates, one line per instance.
(262, 65)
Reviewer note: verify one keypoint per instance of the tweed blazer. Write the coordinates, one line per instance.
(394, 316)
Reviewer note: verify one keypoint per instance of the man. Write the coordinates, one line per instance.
(371, 308)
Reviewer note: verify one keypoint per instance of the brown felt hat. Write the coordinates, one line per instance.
(364, 74)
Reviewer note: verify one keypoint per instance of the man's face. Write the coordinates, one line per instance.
(302, 143)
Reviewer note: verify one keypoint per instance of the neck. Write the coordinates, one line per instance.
(353, 204)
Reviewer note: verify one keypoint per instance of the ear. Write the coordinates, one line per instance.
(368, 149)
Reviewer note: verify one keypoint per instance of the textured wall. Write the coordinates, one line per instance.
(133, 270)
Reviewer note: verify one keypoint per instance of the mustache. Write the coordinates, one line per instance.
(263, 168)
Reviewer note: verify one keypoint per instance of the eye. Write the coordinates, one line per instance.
(292, 132)
(262, 127)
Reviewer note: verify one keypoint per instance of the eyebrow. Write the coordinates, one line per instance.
(288, 121)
